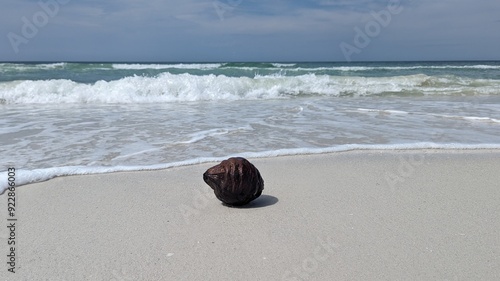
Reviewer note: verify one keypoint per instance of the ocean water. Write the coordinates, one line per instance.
(82, 118)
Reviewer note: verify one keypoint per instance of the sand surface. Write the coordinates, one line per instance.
(362, 215)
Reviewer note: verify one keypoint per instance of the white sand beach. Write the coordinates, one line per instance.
(360, 215)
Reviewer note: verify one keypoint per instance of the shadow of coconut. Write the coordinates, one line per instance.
(261, 202)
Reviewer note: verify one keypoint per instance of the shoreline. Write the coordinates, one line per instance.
(44, 174)
(371, 214)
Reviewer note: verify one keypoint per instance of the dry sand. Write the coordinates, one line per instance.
(365, 215)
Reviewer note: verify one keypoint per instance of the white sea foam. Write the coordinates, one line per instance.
(205, 66)
(413, 67)
(19, 67)
(52, 65)
(195, 137)
(482, 119)
(295, 67)
(169, 87)
(24, 177)
(292, 67)
(386, 111)
(468, 118)
(284, 64)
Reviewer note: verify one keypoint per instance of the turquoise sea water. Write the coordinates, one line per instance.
(73, 118)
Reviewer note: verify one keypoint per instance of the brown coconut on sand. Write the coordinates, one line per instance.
(235, 181)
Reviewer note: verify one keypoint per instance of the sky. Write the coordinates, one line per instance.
(249, 30)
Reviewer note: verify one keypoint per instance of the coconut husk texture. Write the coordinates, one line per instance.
(235, 181)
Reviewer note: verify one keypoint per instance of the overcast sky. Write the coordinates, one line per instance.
(249, 30)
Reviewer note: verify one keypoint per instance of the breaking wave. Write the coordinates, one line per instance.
(167, 87)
